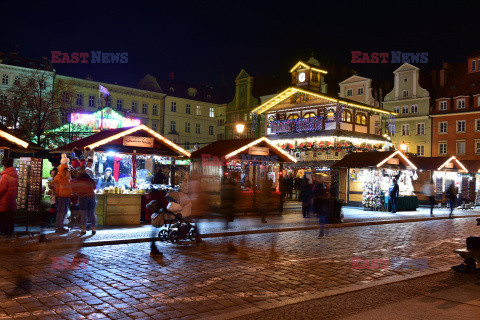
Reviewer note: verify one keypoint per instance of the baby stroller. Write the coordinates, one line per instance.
(176, 224)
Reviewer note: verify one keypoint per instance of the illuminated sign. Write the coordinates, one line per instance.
(258, 151)
(393, 161)
(133, 141)
(103, 119)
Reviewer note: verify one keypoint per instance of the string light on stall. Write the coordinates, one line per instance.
(13, 139)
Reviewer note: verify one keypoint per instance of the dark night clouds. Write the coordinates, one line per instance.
(199, 39)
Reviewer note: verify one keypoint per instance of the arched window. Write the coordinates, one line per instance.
(293, 116)
(346, 116)
(309, 115)
(330, 115)
(361, 119)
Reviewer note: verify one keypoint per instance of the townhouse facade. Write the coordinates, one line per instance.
(411, 129)
(358, 89)
(456, 111)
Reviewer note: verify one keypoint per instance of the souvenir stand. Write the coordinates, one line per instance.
(442, 171)
(245, 161)
(365, 178)
(473, 167)
(29, 172)
(131, 154)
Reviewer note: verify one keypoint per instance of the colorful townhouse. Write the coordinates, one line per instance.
(358, 89)
(411, 129)
(456, 111)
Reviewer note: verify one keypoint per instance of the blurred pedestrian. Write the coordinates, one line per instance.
(393, 195)
(289, 182)
(8, 197)
(264, 197)
(427, 190)
(228, 199)
(282, 186)
(297, 185)
(85, 189)
(451, 194)
(319, 198)
(306, 196)
(159, 177)
(51, 193)
(63, 191)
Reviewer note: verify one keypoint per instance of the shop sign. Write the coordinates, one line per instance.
(258, 151)
(133, 141)
(449, 165)
(394, 161)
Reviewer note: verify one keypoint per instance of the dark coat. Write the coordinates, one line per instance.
(305, 191)
(393, 191)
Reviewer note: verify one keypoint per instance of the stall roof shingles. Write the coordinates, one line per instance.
(428, 163)
(82, 143)
(362, 159)
(221, 148)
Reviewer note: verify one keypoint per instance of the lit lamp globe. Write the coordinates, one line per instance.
(403, 147)
(240, 127)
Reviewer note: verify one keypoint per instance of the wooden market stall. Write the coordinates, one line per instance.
(365, 177)
(121, 205)
(245, 161)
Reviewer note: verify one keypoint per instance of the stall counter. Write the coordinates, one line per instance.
(118, 209)
(404, 203)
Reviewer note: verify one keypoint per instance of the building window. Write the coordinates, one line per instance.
(420, 128)
(443, 105)
(154, 109)
(5, 79)
(461, 125)
(346, 116)
(405, 109)
(154, 126)
(199, 111)
(405, 93)
(330, 115)
(477, 147)
(16, 81)
(405, 129)
(396, 109)
(134, 107)
(442, 127)
(91, 101)
(187, 109)
(349, 92)
(43, 84)
(197, 128)
(460, 147)
(461, 104)
(144, 108)
(442, 148)
(173, 126)
(187, 127)
(391, 129)
(212, 113)
(292, 116)
(309, 115)
(173, 106)
(420, 150)
(119, 105)
(477, 124)
(360, 91)
(210, 130)
(414, 108)
(79, 99)
(361, 119)
(474, 68)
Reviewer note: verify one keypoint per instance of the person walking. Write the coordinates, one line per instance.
(63, 191)
(289, 183)
(8, 197)
(85, 189)
(51, 193)
(427, 190)
(393, 195)
(306, 196)
(319, 199)
(451, 194)
(228, 198)
(282, 186)
(264, 197)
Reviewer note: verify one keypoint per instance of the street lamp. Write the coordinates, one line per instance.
(403, 147)
(240, 127)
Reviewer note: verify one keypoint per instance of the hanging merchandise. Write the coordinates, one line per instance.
(372, 193)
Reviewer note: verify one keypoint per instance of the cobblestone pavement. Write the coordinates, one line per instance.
(202, 280)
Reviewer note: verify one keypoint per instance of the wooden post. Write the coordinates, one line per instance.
(172, 171)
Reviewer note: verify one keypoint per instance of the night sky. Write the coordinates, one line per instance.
(201, 40)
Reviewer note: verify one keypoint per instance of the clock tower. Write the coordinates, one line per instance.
(309, 76)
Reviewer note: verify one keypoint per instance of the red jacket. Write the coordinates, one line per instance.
(8, 189)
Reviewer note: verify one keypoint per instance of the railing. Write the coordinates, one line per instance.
(297, 125)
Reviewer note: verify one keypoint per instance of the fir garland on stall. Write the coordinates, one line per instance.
(372, 194)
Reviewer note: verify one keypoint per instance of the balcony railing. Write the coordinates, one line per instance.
(297, 125)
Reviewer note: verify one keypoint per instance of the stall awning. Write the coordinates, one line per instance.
(140, 139)
(439, 164)
(232, 148)
(472, 166)
(380, 159)
(9, 141)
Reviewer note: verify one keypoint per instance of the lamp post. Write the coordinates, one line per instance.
(403, 147)
(240, 127)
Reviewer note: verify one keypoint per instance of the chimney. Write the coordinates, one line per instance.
(171, 76)
(444, 74)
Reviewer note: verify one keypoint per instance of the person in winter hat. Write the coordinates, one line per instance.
(63, 191)
(8, 197)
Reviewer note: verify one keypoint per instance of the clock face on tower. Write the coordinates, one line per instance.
(301, 77)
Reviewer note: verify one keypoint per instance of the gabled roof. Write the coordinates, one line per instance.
(242, 75)
(230, 148)
(353, 79)
(112, 140)
(405, 67)
(292, 90)
(378, 159)
(472, 165)
(460, 82)
(308, 66)
(439, 163)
